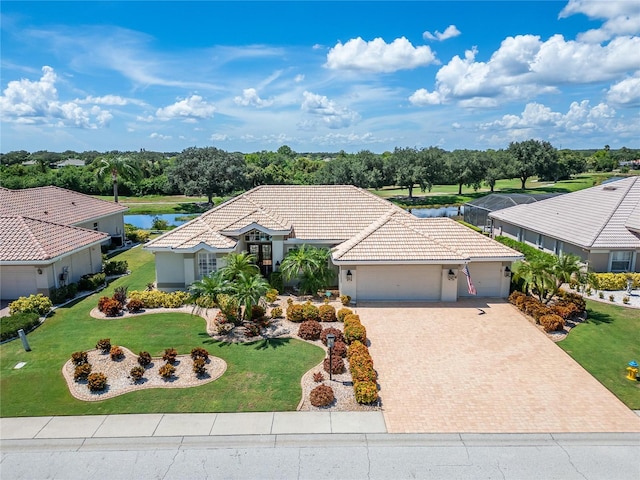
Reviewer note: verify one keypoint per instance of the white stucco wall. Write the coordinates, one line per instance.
(487, 277)
(169, 271)
(112, 224)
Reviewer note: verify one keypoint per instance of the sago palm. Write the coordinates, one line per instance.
(248, 289)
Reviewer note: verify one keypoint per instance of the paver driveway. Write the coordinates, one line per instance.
(444, 368)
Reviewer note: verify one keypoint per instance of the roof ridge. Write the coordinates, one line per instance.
(34, 239)
(426, 235)
(270, 213)
(615, 209)
(363, 234)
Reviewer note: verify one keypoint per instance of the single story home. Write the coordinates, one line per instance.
(380, 251)
(51, 236)
(600, 224)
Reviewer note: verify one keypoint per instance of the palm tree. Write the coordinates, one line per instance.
(543, 277)
(248, 289)
(311, 265)
(118, 166)
(563, 269)
(240, 263)
(209, 288)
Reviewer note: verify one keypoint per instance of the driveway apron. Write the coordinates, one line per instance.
(446, 367)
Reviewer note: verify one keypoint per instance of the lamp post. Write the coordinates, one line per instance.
(331, 339)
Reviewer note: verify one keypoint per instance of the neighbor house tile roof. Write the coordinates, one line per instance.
(54, 204)
(29, 239)
(605, 216)
(366, 227)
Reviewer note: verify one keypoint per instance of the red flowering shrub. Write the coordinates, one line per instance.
(321, 396)
(310, 330)
(338, 334)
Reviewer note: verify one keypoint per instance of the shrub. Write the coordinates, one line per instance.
(310, 330)
(272, 295)
(310, 311)
(515, 295)
(104, 345)
(335, 331)
(357, 348)
(337, 364)
(252, 330)
(289, 301)
(120, 294)
(327, 313)
(144, 359)
(600, 295)
(199, 366)
(81, 371)
(294, 313)
(170, 355)
(175, 299)
(355, 332)
(276, 281)
(115, 267)
(96, 381)
(552, 323)
(612, 298)
(616, 281)
(321, 396)
(224, 328)
(318, 377)
(626, 300)
(10, 325)
(351, 319)
(340, 349)
(229, 306)
(345, 299)
(276, 312)
(136, 236)
(167, 370)
(32, 304)
(257, 312)
(363, 372)
(91, 281)
(62, 294)
(135, 305)
(137, 373)
(199, 352)
(112, 308)
(564, 311)
(343, 312)
(116, 353)
(78, 358)
(577, 300)
(102, 301)
(366, 392)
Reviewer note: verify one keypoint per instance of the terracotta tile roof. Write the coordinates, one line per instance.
(367, 227)
(29, 239)
(54, 204)
(596, 217)
(400, 237)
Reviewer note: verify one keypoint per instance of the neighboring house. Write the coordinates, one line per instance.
(599, 224)
(476, 212)
(50, 237)
(380, 251)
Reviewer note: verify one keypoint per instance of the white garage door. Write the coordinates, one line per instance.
(17, 282)
(486, 277)
(398, 282)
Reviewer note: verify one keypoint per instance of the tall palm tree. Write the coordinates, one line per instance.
(248, 289)
(118, 167)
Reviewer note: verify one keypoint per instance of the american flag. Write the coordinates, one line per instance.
(470, 286)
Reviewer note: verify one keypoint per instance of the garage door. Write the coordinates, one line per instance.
(398, 282)
(16, 282)
(486, 277)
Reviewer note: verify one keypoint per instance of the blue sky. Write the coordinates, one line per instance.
(318, 76)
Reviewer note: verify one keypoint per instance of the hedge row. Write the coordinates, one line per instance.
(362, 372)
(10, 325)
(157, 299)
(302, 312)
(551, 317)
(530, 253)
(616, 281)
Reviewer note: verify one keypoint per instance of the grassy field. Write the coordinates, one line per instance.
(448, 194)
(261, 376)
(604, 344)
(157, 204)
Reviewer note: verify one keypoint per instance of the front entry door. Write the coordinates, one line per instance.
(262, 251)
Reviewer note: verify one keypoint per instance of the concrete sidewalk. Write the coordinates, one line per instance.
(190, 424)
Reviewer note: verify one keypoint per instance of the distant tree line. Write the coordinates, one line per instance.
(213, 172)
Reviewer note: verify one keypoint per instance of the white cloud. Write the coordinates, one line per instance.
(330, 114)
(299, 78)
(621, 18)
(581, 118)
(193, 107)
(219, 137)
(378, 56)
(525, 66)
(250, 97)
(626, 92)
(109, 100)
(279, 139)
(337, 139)
(450, 32)
(36, 102)
(159, 136)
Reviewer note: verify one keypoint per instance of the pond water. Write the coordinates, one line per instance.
(437, 212)
(146, 221)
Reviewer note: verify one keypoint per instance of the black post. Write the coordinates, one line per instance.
(331, 338)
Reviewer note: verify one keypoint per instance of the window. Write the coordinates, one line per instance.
(621, 261)
(206, 264)
(256, 236)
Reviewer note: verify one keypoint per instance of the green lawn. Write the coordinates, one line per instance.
(604, 344)
(260, 376)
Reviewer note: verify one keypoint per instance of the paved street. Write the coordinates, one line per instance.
(322, 456)
(444, 368)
